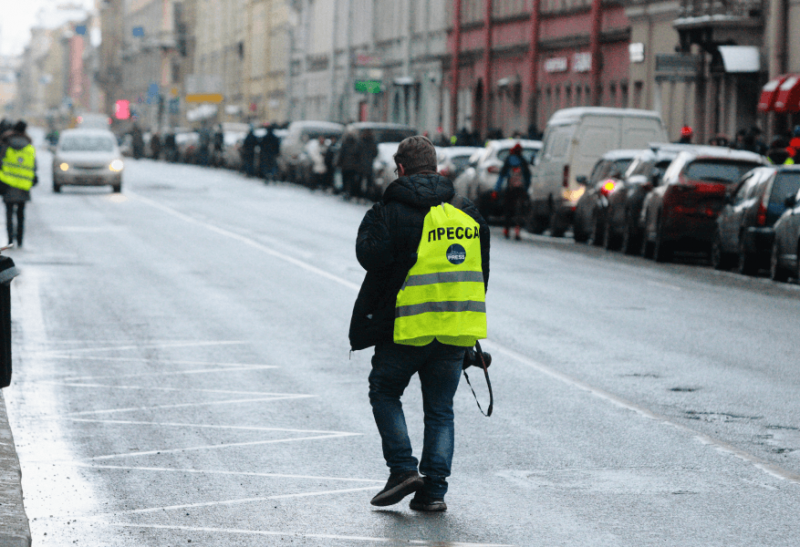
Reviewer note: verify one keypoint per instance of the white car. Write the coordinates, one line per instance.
(453, 160)
(87, 157)
(479, 179)
(383, 168)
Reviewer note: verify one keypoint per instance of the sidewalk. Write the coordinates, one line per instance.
(14, 529)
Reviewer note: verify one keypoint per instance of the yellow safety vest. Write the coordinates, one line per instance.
(789, 161)
(443, 296)
(18, 167)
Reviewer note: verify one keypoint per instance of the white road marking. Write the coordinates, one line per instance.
(159, 361)
(209, 426)
(151, 388)
(305, 535)
(722, 446)
(249, 242)
(219, 446)
(763, 465)
(185, 405)
(160, 345)
(231, 502)
(215, 472)
(173, 373)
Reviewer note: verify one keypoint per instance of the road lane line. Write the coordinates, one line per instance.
(763, 465)
(219, 446)
(160, 345)
(216, 472)
(211, 426)
(305, 535)
(247, 241)
(226, 370)
(185, 405)
(157, 360)
(722, 446)
(231, 502)
(151, 388)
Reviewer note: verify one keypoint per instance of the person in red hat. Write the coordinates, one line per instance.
(686, 135)
(515, 176)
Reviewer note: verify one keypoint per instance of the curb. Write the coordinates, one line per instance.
(14, 528)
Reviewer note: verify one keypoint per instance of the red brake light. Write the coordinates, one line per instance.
(761, 215)
(494, 169)
(494, 196)
(608, 187)
(566, 176)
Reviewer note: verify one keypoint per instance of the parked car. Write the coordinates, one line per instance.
(589, 221)
(785, 256)
(574, 140)
(745, 227)
(187, 142)
(477, 182)
(87, 157)
(383, 168)
(622, 230)
(682, 211)
(292, 154)
(453, 160)
(382, 132)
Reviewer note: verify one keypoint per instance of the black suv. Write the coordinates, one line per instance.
(745, 231)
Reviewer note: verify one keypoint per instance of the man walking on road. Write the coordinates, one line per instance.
(18, 175)
(426, 252)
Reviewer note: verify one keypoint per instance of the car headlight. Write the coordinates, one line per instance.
(64, 167)
(116, 166)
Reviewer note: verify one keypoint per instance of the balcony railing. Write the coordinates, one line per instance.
(736, 9)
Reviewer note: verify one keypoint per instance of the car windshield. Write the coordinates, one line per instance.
(87, 143)
(785, 185)
(620, 166)
(527, 153)
(724, 171)
(460, 161)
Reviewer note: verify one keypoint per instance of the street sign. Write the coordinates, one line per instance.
(368, 86)
(138, 31)
(204, 98)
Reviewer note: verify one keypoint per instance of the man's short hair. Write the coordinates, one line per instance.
(20, 126)
(416, 154)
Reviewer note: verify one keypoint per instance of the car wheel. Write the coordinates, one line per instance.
(747, 261)
(776, 271)
(578, 233)
(720, 260)
(117, 188)
(647, 246)
(611, 241)
(597, 231)
(662, 250)
(556, 227)
(536, 224)
(629, 240)
(56, 188)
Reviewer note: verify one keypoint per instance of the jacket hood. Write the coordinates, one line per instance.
(17, 141)
(420, 191)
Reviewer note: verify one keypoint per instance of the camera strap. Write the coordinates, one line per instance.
(488, 383)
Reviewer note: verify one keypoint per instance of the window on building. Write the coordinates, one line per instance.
(638, 92)
(623, 89)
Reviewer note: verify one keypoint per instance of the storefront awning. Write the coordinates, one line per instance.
(740, 59)
(769, 93)
(788, 99)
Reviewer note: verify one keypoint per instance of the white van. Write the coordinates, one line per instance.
(573, 141)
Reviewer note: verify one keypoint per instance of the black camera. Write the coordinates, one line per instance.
(472, 359)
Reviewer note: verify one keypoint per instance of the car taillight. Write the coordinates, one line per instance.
(565, 180)
(608, 187)
(761, 215)
(494, 196)
(493, 169)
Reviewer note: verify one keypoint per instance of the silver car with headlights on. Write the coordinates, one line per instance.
(87, 157)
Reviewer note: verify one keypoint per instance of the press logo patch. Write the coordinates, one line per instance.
(456, 254)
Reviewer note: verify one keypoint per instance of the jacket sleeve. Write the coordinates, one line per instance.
(501, 178)
(374, 243)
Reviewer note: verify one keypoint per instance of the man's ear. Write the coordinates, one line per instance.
(401, 172)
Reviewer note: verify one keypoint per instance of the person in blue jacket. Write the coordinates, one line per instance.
(515, 178)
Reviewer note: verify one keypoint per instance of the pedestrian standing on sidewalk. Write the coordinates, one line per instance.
(18, 175)
(406, 258)
(515, 175)
(316, 149)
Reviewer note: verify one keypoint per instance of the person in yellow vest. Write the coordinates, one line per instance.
(18, 175)
(422, 304)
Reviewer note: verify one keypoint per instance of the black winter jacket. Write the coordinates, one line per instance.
(386, 247)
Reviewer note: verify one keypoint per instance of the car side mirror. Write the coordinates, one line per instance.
(790, 202)
(581, 180)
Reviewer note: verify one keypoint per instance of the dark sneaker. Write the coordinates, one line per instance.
(423, 502)
(397, 487)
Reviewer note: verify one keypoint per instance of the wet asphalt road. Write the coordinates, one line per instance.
(182, 376)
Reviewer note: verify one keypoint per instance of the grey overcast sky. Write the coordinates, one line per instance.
(19, 16)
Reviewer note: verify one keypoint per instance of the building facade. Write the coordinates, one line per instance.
(266, 60)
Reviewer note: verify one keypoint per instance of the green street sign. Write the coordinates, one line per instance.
(368, 86)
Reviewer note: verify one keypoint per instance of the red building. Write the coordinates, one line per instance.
(515, 62)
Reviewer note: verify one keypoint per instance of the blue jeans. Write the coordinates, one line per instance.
(439, 368)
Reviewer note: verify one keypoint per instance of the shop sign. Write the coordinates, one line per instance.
(582, 62)
(555, 64)
(636, 52)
